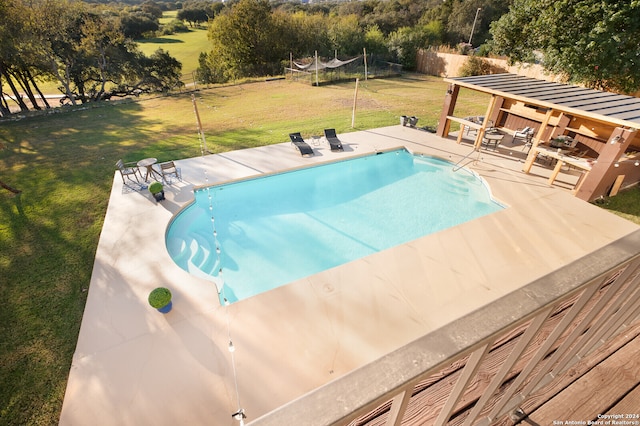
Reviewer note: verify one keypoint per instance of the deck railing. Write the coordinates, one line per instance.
(482, 368)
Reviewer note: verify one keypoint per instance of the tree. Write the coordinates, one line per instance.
(593, 42)
(375, 42)
(405, 42)
(248, 41)
(198, 12)
(87, 53)
(346, 36)
(457, 18)
(20, 59)
(136, 25)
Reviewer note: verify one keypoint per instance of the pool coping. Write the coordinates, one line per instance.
(133, 365)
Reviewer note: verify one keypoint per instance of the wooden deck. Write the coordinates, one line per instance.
(603, 382)
(606, 383)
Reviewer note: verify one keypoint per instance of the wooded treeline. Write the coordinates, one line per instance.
(86, 49)
(589, 42)
(256, 37)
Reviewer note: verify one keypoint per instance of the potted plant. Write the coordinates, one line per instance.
(404, 120)
(160, 299)
(560, 141)
(157, 190)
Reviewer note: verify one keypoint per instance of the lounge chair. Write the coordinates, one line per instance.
(334, 142)
(168, 169)
(128, 169)
(304, 148)
(526, 134)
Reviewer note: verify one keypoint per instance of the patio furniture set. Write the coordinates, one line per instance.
(307, 151)
(146, 165)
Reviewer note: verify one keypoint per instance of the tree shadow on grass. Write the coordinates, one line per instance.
(160, 41)
(64, 165)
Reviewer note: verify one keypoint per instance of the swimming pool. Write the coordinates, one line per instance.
(254, 235)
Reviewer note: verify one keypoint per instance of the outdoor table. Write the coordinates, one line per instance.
(492, 139)
(148, 164)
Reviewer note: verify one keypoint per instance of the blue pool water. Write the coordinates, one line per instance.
(276, 229)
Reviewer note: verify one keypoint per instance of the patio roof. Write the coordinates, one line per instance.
(602, 106)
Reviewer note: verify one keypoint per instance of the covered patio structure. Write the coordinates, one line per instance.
(600, 126)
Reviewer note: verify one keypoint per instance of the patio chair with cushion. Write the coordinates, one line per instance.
(128, 169)
(169, 169)
(526, 134)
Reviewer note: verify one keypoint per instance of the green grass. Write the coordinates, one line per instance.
(64, 165)
(626, 204)
(185, 47)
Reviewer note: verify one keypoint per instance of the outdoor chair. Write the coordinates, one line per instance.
(526, 134)
(304, 148)
(128, 169)
(332, 138)
(473, 119)
(169, 169)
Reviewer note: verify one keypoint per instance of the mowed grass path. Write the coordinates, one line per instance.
(64, 165)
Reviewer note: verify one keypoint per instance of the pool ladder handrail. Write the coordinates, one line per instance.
(457, 166)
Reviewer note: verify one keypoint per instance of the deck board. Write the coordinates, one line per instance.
(629, 404)
(596, 391)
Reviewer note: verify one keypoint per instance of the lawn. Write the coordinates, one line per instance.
(64, 165)
(185, 47)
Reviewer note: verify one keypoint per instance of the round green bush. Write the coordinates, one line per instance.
(155, 187)
(159, 297)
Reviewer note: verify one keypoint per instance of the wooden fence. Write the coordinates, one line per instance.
(449, 65)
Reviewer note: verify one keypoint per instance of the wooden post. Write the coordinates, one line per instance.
(355, 99)
(616, 186)
(364, 50)
(447, 109)
(604, 172)
(203, 141)
(533, 152)
(317, 83)
(483, 127)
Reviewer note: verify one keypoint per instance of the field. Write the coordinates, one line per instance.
(64, 165)
(185, 47)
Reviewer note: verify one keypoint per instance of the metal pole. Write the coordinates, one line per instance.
(474, 24)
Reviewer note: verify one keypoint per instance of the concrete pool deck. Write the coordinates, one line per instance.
(135, 366)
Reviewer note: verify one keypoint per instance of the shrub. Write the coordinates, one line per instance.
(155, 187)
(159, 297)
(475, 65)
